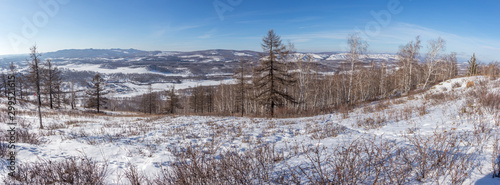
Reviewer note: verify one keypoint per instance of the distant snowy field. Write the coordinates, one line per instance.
(146, 142)
(136, 89)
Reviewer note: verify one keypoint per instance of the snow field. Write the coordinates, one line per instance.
(446, 123)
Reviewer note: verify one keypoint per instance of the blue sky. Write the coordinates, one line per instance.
(185, 25)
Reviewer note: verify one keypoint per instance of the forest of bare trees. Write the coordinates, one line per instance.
(288, 85)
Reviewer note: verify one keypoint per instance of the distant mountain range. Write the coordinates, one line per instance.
(136, 67)
(176, 63)
(202, 54)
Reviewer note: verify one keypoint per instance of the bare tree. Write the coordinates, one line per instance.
(19, 79)
(272, 74)
(96, 91)
(304, 79)
(492, 70)
(35, 70)
(72, 101)
(408, 58)
(173, 101)
(52, 80)
(451, 65)
(149, 101)
(433, 56)
(241, 86)
(357, 47)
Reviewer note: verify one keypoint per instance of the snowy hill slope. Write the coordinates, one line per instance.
(444, 135)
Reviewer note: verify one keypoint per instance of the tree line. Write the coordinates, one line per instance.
(281, 83)
(288, 84)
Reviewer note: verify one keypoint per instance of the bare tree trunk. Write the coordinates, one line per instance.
(357, 47)
(435, 47)
(36, 79)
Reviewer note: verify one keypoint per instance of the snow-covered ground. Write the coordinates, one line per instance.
(148, 142)
(124, 70)
(137, 90)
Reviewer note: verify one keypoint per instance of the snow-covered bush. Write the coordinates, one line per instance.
(70, 171)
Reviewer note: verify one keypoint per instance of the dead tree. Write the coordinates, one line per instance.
(35, 70)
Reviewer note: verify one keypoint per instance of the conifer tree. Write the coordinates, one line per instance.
(473, 66)
(173, 101)
(35, 77)
(96, 91)
(52, 81)
(272, 75)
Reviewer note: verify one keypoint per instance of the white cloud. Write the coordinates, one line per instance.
(208, 34)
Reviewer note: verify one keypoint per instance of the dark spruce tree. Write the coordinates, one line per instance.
(96, 92)
(272, 74)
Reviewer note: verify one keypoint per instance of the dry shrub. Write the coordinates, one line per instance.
(440, 155)
(456, 85)
(56, 126)
(497, 118)
(194, 167)
(491, 101)
(368, 109)
(382, 105)
(422, 110)
(344, 110)
(326, 130)
(372, 123)
(4, 150)
(133, 176)
(407, 112)
(438, 98)
(400, 101)
(363, 161)
(24, 136)
(470, 84)
(69, 171)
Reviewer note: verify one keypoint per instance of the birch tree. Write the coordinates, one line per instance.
(304, 78)
(408, 58)
(357, 47)
(435, 48)
(241, 87)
